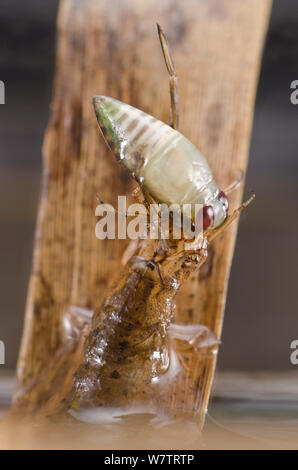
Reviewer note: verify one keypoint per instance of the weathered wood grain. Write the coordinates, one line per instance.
(112, 48)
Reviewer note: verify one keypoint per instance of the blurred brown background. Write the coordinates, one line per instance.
(261, 315)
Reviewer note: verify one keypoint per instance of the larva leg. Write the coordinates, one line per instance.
(193, 336)
(150, 264)
(173, 78)
(235, 184)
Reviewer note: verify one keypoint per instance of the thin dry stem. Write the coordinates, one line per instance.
(175, 112)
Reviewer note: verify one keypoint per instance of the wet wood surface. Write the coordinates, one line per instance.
(113, 49)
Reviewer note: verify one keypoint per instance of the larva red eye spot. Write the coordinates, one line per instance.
(224, 200)
(208, 217)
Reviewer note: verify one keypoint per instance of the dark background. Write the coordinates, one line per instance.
(261, 315)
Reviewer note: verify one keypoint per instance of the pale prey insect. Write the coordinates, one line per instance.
(167, 165)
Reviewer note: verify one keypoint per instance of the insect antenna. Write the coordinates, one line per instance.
(230, 219)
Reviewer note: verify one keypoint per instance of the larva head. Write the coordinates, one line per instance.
(163, 160)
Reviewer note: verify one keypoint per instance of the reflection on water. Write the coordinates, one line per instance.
(246, 419)
(134, 431)
(272, 424)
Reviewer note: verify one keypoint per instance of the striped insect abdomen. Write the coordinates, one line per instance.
(168, 165)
